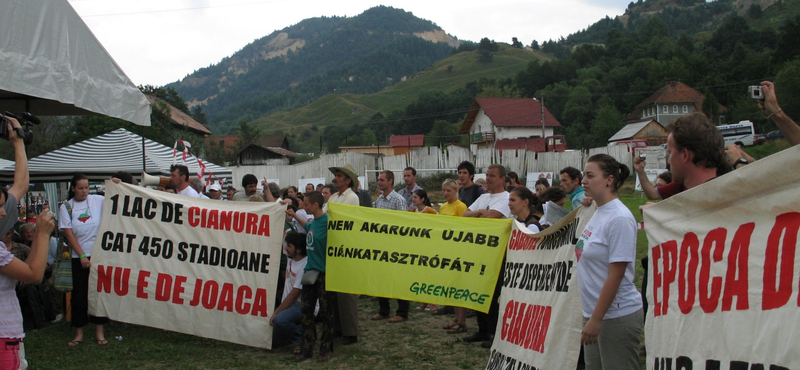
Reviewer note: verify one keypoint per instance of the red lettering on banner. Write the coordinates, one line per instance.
(260, 303)
(244, 292)
(656, 263)
(520, 241)
(240, 222)
(210, 294)
(687, 277)
(709, 296)
(526, 325)
(141, 283)
(226, 298)
(179, 289)
(736, 282)
(163, 287)
(670, 256)
(700, 286)
(781, 248)
(119, 280)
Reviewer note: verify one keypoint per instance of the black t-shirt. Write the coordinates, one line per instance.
(469, 194)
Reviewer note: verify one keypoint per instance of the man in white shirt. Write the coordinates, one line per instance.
(287, 316)
(198, 186)
(179, 178)
(493, 204)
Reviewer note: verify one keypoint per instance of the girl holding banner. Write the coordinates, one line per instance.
(606, 251)
(453, 207)
(79, 217)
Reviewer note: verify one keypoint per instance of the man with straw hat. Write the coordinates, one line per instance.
(345, 181)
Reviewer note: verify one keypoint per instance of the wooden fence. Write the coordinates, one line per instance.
(432, 160)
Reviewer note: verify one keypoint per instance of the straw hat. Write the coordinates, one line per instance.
(349, 171)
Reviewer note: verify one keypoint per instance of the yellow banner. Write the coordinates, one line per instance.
(437, 259)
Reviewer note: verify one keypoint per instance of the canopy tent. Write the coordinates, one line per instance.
(100, 157)
(52, 65)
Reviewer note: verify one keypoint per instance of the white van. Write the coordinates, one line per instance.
(741, 134)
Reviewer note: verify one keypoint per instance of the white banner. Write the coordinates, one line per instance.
(539, 324)
(723, 275)
(190, 265)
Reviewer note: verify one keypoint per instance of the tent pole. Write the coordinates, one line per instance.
(144, 162)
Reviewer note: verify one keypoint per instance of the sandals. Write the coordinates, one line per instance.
(102, 342)
(297, 351)
(457, 329)
(325, 357)
(450, 325)
(74, 343)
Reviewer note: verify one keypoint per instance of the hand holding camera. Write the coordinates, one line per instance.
(9, 119)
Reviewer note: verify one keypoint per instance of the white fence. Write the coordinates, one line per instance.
(434, 160)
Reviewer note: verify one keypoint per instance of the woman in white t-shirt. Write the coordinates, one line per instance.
(79, 217)
(606, 250)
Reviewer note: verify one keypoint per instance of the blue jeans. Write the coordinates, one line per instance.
(288, 326)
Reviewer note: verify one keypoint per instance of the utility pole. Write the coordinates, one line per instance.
(542, 105)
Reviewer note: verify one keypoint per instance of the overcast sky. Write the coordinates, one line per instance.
(160, 41)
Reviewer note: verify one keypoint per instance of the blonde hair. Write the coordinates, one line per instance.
(255, 198)
(451, 183)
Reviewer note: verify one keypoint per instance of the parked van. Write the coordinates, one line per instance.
(741, 134)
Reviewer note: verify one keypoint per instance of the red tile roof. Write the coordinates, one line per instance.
(509, 113)
(407, 140)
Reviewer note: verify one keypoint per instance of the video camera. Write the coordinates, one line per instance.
(25, 120)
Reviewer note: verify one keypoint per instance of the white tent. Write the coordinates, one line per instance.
(100, 157)
(52, 65)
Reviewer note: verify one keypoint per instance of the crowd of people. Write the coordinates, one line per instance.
(612, 307)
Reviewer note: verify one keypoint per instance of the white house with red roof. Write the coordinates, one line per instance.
(503, 122)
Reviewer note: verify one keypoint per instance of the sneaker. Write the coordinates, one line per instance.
(58, 318)
(424, 306)
(430, 307)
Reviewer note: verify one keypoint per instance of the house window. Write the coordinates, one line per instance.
(674, 109)
(685, 109)
(665, 109)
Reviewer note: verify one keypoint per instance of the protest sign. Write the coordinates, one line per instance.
(437, 259)
(723, 272)
(539, 324)
(652, 175)
(195, 266)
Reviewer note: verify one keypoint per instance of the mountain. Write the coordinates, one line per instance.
(297, 65)
(342, 112)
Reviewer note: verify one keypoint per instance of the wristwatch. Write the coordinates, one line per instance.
(740, 161)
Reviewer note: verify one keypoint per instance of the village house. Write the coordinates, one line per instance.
(505, 123)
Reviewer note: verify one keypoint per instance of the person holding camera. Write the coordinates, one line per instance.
(769, 105)
(21, 177)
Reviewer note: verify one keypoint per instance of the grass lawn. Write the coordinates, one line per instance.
(419, 343)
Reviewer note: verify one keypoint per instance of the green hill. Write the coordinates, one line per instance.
(304, 125)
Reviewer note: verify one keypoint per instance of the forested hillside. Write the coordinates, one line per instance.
(595, 84)
(295, 66)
